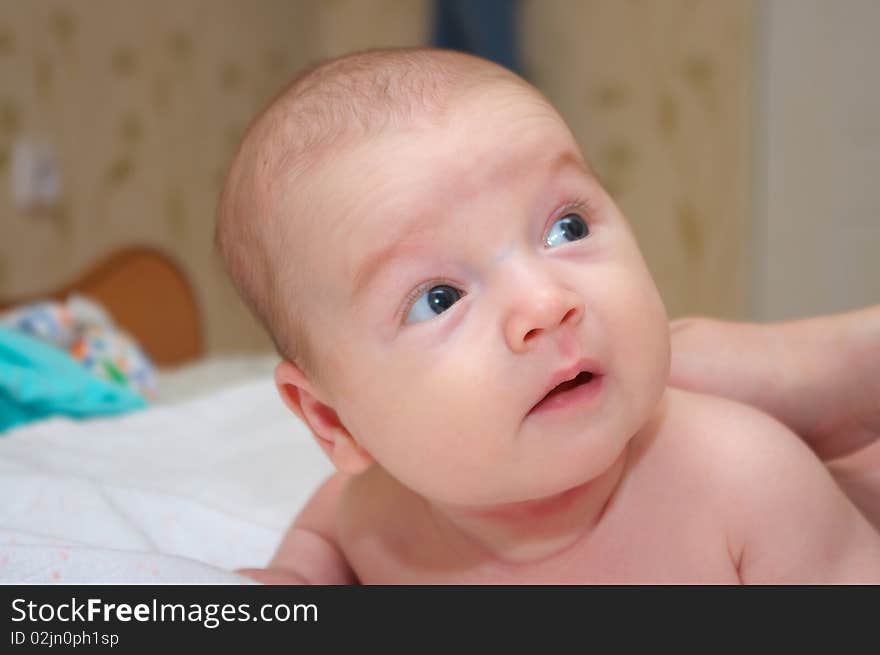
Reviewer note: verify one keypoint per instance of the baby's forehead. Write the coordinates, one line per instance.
(484, 130)
(495, 134)
(486, 142)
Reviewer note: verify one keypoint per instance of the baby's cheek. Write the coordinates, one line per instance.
(634, 323)
(654, 326)
(644, 348)
(630, 305)
(451, 399)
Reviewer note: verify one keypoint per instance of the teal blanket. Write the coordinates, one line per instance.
(39, 380)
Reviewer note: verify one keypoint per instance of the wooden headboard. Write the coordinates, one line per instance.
(147, 294)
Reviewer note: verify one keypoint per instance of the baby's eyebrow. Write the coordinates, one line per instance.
(372, 264)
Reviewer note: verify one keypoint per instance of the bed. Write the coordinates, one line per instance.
(202, 482)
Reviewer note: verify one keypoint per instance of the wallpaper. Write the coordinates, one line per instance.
(144, 103)
(658, 92)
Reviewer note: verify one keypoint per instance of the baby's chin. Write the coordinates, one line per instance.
(542, 482)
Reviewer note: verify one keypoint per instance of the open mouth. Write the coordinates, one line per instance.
(582, 378)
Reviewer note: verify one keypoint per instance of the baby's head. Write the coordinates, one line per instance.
(423, 239)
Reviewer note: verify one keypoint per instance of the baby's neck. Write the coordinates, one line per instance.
(534, 530)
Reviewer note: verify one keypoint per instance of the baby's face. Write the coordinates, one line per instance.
(456, 273)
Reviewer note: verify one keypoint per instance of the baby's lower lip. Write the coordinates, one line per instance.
(576, 396)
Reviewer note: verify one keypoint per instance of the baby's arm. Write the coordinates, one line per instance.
(308, 553)
(793, 523)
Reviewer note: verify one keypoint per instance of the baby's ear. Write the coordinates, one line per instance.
(335, 440)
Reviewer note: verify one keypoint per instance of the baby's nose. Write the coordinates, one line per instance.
(538, 311)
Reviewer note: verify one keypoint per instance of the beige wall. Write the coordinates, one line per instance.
(145, 101)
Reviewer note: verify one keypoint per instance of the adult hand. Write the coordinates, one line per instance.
(820, 376)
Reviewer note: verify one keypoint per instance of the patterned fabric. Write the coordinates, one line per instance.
(39, 380)
(84, 330)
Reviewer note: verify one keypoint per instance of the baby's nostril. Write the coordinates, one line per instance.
(570, 314)
(531, 334)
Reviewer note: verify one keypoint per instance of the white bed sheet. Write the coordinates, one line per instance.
(177, 493)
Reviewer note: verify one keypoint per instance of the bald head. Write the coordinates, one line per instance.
(351, 97)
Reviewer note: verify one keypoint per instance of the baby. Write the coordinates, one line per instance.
(471, 334)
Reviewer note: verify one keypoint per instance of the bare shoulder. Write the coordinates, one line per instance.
(728, 457)
(785, 517)
(748, 455)
(722, 441)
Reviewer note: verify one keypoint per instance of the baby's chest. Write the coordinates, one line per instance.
(682, 553)
(632, 553)
(659, 564)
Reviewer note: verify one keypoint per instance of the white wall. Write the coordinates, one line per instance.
(817, 168)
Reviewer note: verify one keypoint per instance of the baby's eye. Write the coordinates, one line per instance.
(435, 300)
(570, 227)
